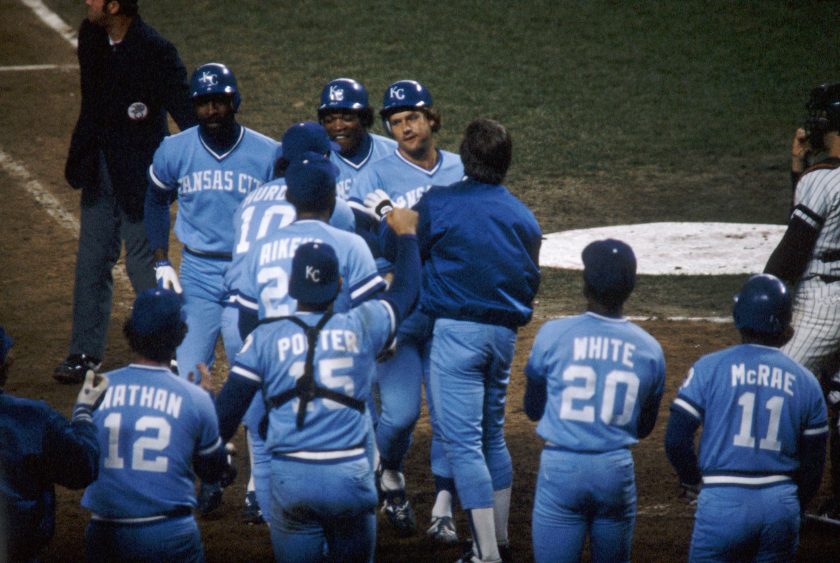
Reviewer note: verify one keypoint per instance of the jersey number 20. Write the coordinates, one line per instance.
(577, 399)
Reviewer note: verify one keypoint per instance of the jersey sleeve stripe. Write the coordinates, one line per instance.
(211, 448)
(684, 405)
(809, 216)
(244, 302)
(815, 431)
(364, 289)
(156, 181)
(246, 373)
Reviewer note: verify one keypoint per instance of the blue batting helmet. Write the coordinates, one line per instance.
(343, 93)
(403, 95)
(763, 305)
(215, 78)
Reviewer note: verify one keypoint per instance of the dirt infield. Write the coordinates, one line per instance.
(37, 257)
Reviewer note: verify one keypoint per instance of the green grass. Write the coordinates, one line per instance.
(621, 112)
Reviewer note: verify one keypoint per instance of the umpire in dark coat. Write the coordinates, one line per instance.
(130, 77)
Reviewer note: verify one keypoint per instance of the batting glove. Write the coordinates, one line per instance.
(379, 203)
(166, 276)
(89, 396)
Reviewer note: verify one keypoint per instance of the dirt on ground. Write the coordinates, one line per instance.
(37, 257)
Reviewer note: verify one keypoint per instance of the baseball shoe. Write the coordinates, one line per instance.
(73, 369)
(505, 553)
(442, 530)
(252, 513)
(209, 498)
(399, 513)
(470, 556)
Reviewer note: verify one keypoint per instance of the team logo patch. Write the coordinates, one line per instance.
(138, 111)
(336, 94)
(208, 79)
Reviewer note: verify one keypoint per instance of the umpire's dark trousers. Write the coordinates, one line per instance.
(104, 227)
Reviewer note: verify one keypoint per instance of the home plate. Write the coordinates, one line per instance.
(674, 248)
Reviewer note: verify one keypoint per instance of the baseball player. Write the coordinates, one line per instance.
(808, 259)
(410, 117)
(762, 447)
(348, 117)
(154, 430)
(210, 169)
(262, 212)
(595, 382)
(315, 369)
(40, 448)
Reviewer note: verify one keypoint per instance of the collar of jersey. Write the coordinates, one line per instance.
(152, 368)
(420, 168)
(608, 319)
(230, 150)
(362, 162)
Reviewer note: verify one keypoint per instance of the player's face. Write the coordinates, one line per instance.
(213, 112)
(345, 128)
(97, 12)
(413, 132)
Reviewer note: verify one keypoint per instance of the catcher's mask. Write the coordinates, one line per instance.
(823, 113)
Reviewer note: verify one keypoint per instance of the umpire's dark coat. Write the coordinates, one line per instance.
(126, 92)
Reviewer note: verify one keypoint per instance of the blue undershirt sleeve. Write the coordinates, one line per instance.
(231, 405)
(679, 446)
(811, 464)
(156, 218)
(536, 395)
(402, 295)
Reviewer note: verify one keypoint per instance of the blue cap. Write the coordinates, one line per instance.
(156, 310)
(305, 137)
(314, 273)
(311, 181)
(6, 344)
(609, 268)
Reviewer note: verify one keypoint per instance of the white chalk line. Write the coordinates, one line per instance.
(644, 318)
(52, 20)
(29, 68)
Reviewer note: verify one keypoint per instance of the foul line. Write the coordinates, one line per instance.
(41, 194)
(52, 20)
(643, 318)
(26, 68)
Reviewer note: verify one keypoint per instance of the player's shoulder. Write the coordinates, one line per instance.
(177, 141)
(255, 136)
(557, 328)
(644, 336)
(383, 143)
(820, 171)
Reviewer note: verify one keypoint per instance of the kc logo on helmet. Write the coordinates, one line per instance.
(208, 79)
(336, 94)
(396, 93)
(313, 274)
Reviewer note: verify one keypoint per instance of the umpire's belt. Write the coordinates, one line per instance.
(214, 255)
(745, 480)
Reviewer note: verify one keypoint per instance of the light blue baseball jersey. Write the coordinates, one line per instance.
(403, 181)
(149, 426)
(380, 147)
(264, 287)
(273, 358)
(210, 186)
(754, 403)
(602, 374)
(262, 212)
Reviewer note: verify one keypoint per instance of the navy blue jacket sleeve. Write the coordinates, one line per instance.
(71, 451)
(231, 405)
(811, 463)
(156, 218)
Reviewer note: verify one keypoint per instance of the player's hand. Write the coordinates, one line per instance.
(230, 472)
(379, 203)
(403, 221)
(92, 390)
(800, 149)
(690, 493)
(166, 276)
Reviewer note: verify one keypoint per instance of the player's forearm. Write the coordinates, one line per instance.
(156, 220)
(811, 464)
(74, 454)
(406, 285)
(536, 396)
(647, 419)
(679, 447)
(231, 405)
